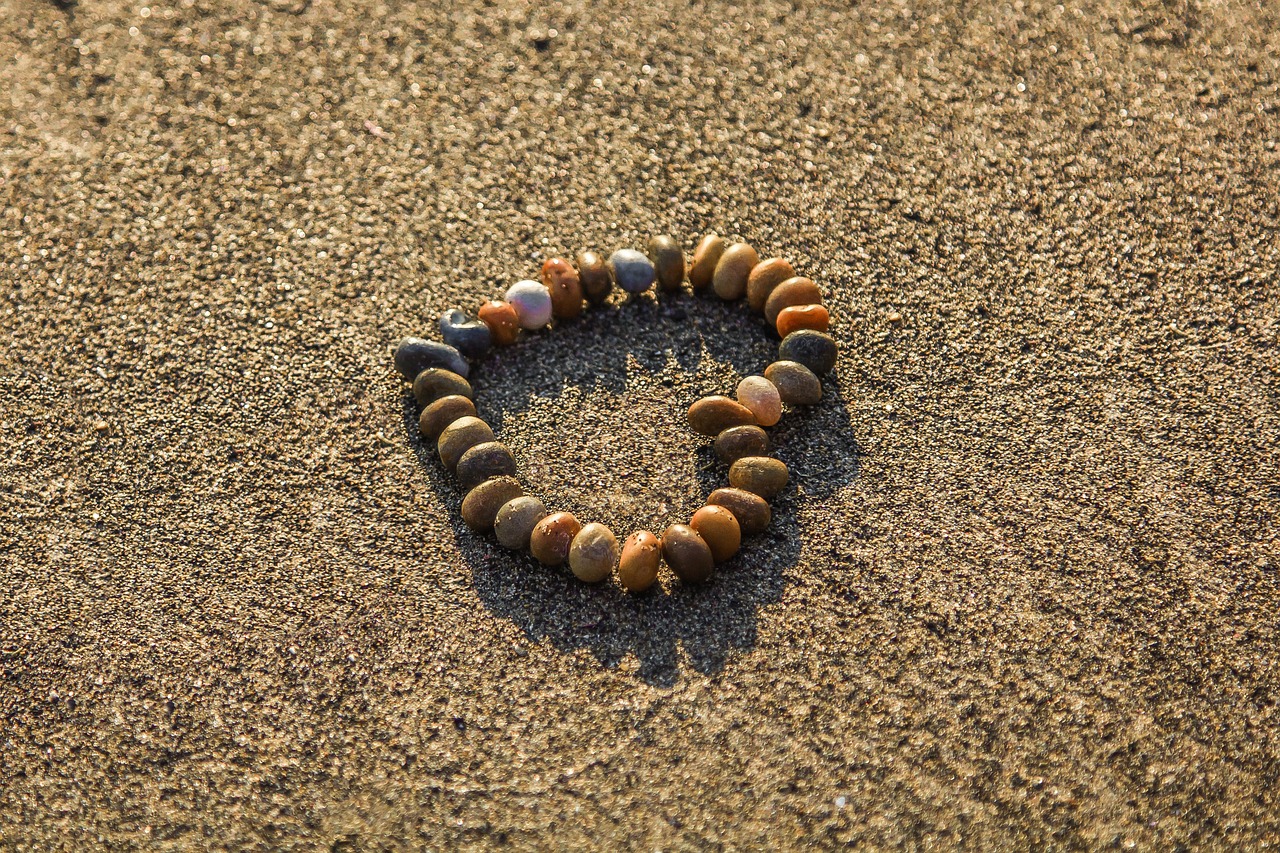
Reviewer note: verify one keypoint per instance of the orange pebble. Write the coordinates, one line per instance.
(562, 280)
(502, 321)
(798, 317)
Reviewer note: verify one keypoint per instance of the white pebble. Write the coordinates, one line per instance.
(532, 302)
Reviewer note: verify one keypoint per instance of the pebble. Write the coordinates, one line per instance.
(794, 291)
(631, 270)
(502, 320)
(719, 529)
(638, 565)
(594, 274)
(440, 413)
(729, 280)
(764, 278)
(751, 510)
(894, 317)
(815, 350)
(797, 385)
(705, 258)
(459, 437)
(715, 414)
(593, 553)
(761, 397)
(760, 475)
(551, 538)
(668, 263)
(515, 521)
(467, 335)
(480, 506)
(798, 317)
(436, 382)
(564, 285)
(687, 555)
(485, 461)
(532, 302)
(737, 442)
(414, 355)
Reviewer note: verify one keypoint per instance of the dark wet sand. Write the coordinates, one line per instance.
(1022, 594)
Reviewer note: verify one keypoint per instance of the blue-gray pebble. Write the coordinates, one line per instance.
(414, 355)
(466, 334)
(815, 350)
(632, 271)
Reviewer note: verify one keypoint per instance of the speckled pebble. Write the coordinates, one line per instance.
(761, 397)
(549, 543)
(532, 302)
(764, 278)
(815, 350)
(595, 277)
(632, 271)
(467, 335)
(502, 320)
(797, 317)
(719, 528)
(414, 355)
(459, 437)
(705, 258)
(440, 413)
(480, 506)
(639, 562)
(687, 554)
(515, 521)
(593, 553)
(760, 475)
(668, 263)
(436, 382)
(751, 510)
(564, 285)
(729, 281)
(793, 291)
(483, 462)
(797, 385)
(714, 414)
(737, 442)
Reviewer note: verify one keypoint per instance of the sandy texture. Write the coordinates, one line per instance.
(1022, 592)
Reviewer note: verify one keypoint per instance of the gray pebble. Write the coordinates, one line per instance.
(466, 334)
(414, 355)
(815, 350)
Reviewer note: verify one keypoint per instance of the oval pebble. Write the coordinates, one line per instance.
(596, 279)
(639, 562)
(480, 506)
(751, 510)
(502, 320)
(549, 543)
(564, 285)
(715, 414)
(467, 335)
(765, 276)
(532, 302)
(593, 553)
(719, 528)
(414, 355)
(798, 317)
(459, 437)
(705, 258)
(794, 291)
(440, 413)
(737, 442)
(729, 280)
(760, 475)
(632, 271)
(436, 382)
(486, 460)
(815, 350)
(515, 521)
(797, 385)
(687, 554)
(761, 397)
(668, 263)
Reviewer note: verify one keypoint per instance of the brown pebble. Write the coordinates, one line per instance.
(705, 258)
(593, 553)
(436, 382)
(719, 529)
(440, 413)
(729, 281)
(752, 511)
(794, 291)
(764, 278)
(687, 555)
(459, 437)
(565, 286)
(101, 426)
(480, 506)
(668, 263)
(715, 414)
(484, 461)
(797, 317)
(593, 273)
(737, 442)
(760, 475)
(894, 317)
(502, 320)
(797, 385)
(549, 543)
(516, 519)
(638, 565)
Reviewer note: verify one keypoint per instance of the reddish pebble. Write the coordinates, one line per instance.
(502, 321)
(562, 280)
(793, 291)
(799, 317)
(719, 529)
(552, 537)
(641, 556)
(765, 276)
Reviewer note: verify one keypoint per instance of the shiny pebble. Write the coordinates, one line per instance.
(794, 291)
(760, 475)
(485, 461)
(729, 280)
(459, 437)
(436, 382)
(797, 385)
(480, 506)
(751, 510)
(564, 285)
(467, 335)
(515, 521)
(532, 302)
(815, 350)
(705, 258)
(668, 263)
(719, 528)
(798, 317)
(593, 553)
(765, 276)
(713, 415)
(687, 554)
(639, 562)
(414, 355)
(596, 279)
(438, 414)
(502, 320)
(737, 442)
(761, 397)
(549, 543)
(632, 271)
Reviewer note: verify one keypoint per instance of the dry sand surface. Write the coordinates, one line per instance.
(1022, 591)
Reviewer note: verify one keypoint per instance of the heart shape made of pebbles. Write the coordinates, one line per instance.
(495, 500)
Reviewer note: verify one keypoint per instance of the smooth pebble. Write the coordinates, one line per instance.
(502, 320)
(549, 543)
(719, 528)
(515, 521)
(564, 285)
(632, 271)
(794, 291)
(440, 413)
(436, 382)
(459, 437)
(687, 554)
(668, 263)
(797, 385)
(761, 397)
(737, 442)
(639, 562)
(486, 460)
(715, 414)
(705, 258)
(760, 475)
(414, 355)
(480, 506)
(596, 279)
(729, 280)
(532, 302)
(815, 350)
(797, 317)
(593, 553)
(467, 335)
(765, 276)
(751, 510)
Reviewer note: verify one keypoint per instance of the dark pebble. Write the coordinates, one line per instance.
(484, 461)
(815, 350)
(737, 442)
(414, 355)
(480, 506)
(796, 384)
(687, 554)
(436, 382)
(459, 437)
(440, 413)
(467, 335)
(594, 275)
(752, 511)
(760, 475)
(668, 263)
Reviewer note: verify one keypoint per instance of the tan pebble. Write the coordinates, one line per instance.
(480, 506)
(793, 291)
(894, 317)
(751, 510)
(760, 475)
(668, 263)
(516, 519)
(761, 397)
(705, 258)
(729, 281)
(764, 278)
(737, 442)
(565, 287)
(440, 413)
(436, 382)
(687, 554)
(549, 543)
(459, 437)
(719, 528)
(712, 415)
(593, 553)
(797, 385)
(101, 426)
(638, 565)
